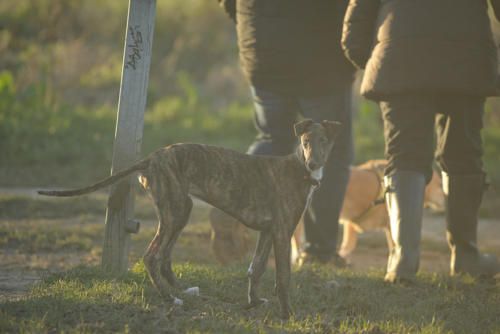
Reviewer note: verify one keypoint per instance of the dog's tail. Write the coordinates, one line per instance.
(141, 165)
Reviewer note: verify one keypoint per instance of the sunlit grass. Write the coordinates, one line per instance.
(88, 299)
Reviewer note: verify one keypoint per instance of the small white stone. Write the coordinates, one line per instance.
(194, 291)
(178, 301)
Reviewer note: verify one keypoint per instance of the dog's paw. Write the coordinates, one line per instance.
(194, 291)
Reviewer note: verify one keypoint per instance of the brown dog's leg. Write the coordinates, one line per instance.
(349, 239)
(281, 242)
(257, 267)
(230, 240)
(297, 242)
(388, 235)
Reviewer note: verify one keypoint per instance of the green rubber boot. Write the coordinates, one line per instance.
(405, 200)
(463, 195)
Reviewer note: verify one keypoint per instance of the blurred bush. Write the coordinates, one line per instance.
(77, 46)
(60, 74)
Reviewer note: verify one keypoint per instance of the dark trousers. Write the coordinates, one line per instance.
(409, 125)
(275, 115)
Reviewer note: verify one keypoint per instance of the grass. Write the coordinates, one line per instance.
(86, 299)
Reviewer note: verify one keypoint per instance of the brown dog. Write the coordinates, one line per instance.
(364, 208)
(267, 194)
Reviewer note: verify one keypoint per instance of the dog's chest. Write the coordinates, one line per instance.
(315, 175)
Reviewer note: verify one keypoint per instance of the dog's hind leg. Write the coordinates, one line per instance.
(151, 261)
(257, 267)
(173, 207)
(178, 222)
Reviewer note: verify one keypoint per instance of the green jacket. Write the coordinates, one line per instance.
(291, 46)
(421, 46)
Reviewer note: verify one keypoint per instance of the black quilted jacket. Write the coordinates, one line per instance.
(291, 46)
(421, 46)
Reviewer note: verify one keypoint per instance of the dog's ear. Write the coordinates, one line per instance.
(332, 128)
(301, 127)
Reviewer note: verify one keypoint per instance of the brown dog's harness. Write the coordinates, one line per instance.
(380, 199)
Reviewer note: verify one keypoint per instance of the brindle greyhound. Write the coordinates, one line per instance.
(266, 193)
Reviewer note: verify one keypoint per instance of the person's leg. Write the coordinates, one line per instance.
(274, 116)
(459, 154)
(321, 218)
(408, 132)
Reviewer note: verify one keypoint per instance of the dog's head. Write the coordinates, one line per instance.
(316, 141)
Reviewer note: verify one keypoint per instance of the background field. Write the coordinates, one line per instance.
(60, 66)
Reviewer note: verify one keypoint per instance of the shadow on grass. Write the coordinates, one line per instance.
(434, 304)
(25, 207)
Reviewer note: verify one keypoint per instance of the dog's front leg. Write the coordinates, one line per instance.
(281, 241)
(349, 239)
(257, 267)
(388, 235)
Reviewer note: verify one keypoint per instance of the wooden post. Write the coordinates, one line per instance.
(128, 135)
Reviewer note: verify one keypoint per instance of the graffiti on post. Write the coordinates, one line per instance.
(136, 47)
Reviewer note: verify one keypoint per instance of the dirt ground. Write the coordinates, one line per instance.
(434, 256)
(19, 271)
